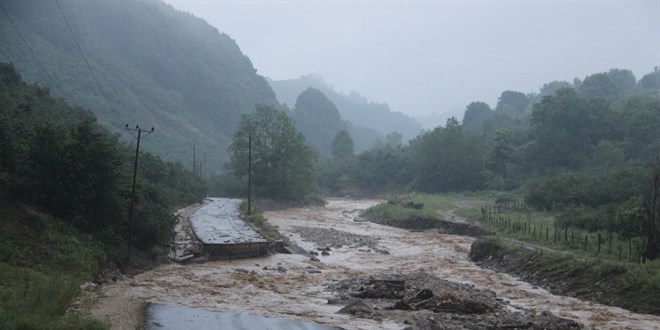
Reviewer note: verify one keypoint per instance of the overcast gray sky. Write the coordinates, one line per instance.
(424, 57)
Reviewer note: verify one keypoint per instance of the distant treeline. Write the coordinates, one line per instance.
(588, 150)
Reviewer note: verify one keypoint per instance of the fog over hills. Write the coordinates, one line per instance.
(145, 63)
(353, 107)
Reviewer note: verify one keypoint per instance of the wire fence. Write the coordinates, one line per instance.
(517, 221)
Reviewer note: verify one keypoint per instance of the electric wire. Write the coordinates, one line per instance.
(4, 55)
(82, 54)
(36, 59)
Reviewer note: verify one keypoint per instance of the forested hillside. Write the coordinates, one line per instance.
(144, 63)
(353, 107)
(65, 191)
(318, 119)
(588, 151)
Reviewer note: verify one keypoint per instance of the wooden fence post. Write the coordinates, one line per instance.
(586, 240)
(630, 249)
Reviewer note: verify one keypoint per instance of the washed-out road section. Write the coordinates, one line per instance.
(218, 221)
(295, 287)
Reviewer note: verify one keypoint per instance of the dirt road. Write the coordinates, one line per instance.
(293, 286)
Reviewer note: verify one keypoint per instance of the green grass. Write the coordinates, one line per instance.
(465, 205)
(630, 285)
(42, 263)
(537, 224)
(539, 228)
(259, 223)
(625, 283)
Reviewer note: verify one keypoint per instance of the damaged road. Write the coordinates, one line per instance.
(397, 278)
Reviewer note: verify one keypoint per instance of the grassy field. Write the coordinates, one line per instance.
(43, 261)
(464, 205)
(630, 285)
(514, 222)
(539, 228)
(615, 271)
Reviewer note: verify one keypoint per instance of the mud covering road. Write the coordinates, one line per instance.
(295, 287)
(218, 222)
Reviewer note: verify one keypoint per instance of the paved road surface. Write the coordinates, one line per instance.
(219, 222)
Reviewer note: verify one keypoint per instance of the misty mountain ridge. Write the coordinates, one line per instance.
(353, 107)
(145, 64)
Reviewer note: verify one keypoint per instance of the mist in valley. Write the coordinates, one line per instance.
(425, 164)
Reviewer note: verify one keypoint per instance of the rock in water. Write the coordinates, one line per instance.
(356, 307)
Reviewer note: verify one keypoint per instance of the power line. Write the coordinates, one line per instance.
(4, 55)
(82, 54)
(36, 60)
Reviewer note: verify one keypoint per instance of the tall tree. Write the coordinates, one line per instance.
(342, 146)
(561, 128)
(447, 159)
(553, 86)
(498, 159)
(650, 84)
(651, 207)
(513, 102)
(475, 115)
(624, 80)
(282, 163)
(598, 85)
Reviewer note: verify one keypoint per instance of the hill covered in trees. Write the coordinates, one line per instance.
(144, 63)
(353, 107)
(589, 151)
(65, 191)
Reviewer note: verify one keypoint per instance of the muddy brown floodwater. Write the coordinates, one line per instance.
(295, 287)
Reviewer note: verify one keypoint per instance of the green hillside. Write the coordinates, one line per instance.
(65, 195)
(146, 64)
(318, 119)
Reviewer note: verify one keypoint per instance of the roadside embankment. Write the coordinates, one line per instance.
(634, 287)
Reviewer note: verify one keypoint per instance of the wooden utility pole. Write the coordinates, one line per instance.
(250, 174)
(132, 207)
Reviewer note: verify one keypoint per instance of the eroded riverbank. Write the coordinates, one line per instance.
(293, 286)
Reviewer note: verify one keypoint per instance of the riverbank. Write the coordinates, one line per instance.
(342, 248)
(627, 285)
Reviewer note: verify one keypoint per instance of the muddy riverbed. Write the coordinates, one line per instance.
(296, 287)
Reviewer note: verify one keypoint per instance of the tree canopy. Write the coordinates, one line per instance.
(282, 164)
(159, 67)
(447, 159)
(56, 156)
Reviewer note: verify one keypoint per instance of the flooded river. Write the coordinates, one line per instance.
(293, 286)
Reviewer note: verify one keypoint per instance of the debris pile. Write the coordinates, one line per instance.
(424, 301)
(327, 238)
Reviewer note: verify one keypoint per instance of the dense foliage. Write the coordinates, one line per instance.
(158, 67)
(281, 163)
(57, 156)
(65, 186)
(447, 159)
(586, 150)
